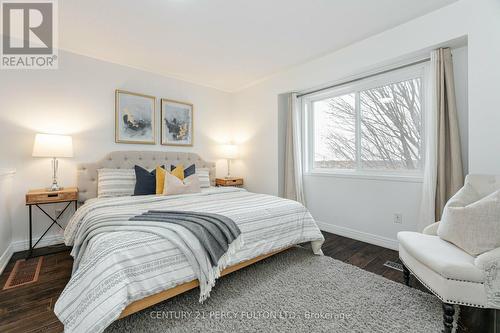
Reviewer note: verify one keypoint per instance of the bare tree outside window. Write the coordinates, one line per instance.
(390, 129)
(335, 132)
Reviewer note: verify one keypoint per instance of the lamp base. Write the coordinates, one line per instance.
(55, 187)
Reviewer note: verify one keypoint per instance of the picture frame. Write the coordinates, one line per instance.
(176, 118)
(135, 118)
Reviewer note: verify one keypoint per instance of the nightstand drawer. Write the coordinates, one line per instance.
(44, 196)
(229, 181)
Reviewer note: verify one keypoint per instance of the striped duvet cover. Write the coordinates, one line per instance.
(117, 268)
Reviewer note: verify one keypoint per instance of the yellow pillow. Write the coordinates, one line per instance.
(160, 176)
(178, 171)
(160, 179)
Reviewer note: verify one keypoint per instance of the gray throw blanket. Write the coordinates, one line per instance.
(215, 232)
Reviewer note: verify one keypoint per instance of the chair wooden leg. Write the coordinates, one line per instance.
(448, 313)
(406, 275)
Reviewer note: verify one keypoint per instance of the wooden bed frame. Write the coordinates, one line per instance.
(182, 288)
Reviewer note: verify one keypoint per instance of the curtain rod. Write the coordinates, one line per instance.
(364, 77)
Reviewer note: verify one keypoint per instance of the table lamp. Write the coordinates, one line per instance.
(229, 152)
(54, 146)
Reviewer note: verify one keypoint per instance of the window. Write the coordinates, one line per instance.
(374, 126)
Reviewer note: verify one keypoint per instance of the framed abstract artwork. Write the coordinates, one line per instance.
(134, 118)
(176, 123)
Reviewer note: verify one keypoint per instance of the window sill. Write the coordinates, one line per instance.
(367, 176)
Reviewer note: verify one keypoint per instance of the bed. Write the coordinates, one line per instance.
(122, 271)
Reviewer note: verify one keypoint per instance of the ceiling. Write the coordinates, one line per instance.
(225, 44)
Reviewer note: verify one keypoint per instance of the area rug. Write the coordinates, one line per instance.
(24, 272)
(294, 291)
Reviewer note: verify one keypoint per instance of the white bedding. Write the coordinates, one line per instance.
(120, 267)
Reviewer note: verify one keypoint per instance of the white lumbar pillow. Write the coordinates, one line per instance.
(115, 182)
(204, 176)
(472, 222)
(174, 185)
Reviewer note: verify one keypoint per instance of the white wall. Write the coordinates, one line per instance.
(367, 206)
(483, 21)
(78, 99)
(6, 176)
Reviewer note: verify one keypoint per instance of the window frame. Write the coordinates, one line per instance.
(412, 72)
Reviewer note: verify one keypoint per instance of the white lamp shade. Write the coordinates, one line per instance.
(51, 145)
(229, 151)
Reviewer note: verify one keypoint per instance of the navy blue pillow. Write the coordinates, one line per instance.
(190, 170)
(145, 181)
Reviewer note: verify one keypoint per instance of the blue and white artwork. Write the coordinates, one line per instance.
(135, 118)
(176, 123)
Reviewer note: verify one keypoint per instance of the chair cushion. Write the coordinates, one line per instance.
(441, 256)
(484, 184)
(471, 221)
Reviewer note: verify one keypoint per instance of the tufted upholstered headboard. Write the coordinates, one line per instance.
(87, 172)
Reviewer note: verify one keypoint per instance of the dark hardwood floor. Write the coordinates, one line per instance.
(29, 308)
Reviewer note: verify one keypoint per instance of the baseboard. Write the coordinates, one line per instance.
(23, 245)
(6, 255)
(359, 235)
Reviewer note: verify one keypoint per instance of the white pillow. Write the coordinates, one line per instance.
(174, 185)
(472, 222)
(115, 182)
(204, 176)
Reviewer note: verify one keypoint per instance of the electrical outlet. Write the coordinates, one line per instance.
(398, 218)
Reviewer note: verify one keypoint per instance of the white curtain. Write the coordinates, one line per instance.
(293, 151)
(427, 208)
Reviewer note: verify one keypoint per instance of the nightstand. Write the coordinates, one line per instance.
(42, 197)
(232, 181)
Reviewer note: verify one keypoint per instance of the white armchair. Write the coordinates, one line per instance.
(450, 273)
